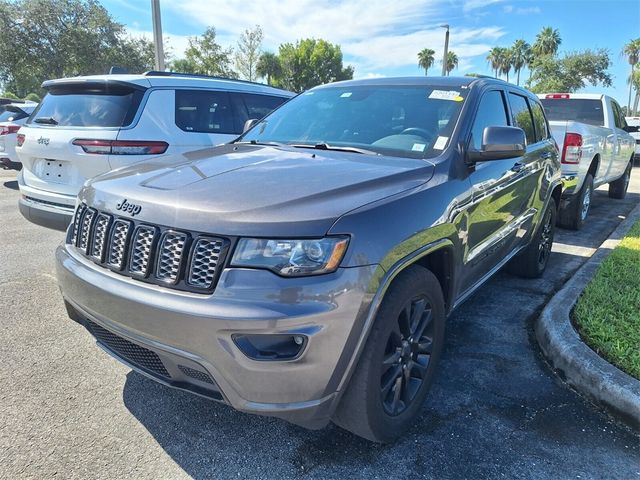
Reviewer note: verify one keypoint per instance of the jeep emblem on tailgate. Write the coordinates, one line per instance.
(129, 207)
(43, 141)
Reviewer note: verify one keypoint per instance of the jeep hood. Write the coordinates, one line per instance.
(254, 190)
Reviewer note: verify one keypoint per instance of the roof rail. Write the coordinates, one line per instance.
(157, 73)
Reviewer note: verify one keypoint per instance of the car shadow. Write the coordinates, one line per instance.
(13, 185)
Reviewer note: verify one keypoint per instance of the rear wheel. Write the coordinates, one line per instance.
(532, 261)
(397, 364)
(618, 188)
(574, 214)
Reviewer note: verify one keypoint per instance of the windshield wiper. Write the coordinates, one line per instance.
(46, 120)
(326, 146)
(255, 142)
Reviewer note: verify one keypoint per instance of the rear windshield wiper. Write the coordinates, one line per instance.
(46, 120)
(326, 146)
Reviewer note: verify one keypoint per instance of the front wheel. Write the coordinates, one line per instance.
(618, 188)
(532, 261)
(396, 367)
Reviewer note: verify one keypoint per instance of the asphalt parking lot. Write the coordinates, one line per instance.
(68, 410)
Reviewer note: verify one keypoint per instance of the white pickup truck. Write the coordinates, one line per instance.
(596, 148)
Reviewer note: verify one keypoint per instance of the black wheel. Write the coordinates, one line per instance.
(396, 367)
(618, 188)
(532, 261)
(574, 214)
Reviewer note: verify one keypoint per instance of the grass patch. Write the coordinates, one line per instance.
(608, 312)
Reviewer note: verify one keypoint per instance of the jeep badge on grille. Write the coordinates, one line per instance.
(128, 207)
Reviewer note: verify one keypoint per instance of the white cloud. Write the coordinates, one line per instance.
(521, 10)
(469, 5)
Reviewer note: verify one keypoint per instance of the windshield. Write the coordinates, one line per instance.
(404, 121)
(576, 109)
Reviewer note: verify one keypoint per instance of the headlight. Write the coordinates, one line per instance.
(291, 258)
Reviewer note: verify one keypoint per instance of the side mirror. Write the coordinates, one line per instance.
(499, 143)
(249, 124)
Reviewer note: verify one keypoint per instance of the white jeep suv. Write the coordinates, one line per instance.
(86, 126)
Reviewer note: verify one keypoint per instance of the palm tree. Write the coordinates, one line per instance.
(452, 62)
(632, 51)
(520, 55)
(547, 41)
(506, 61)
(426, 59)
(269, 66)
(494, 59)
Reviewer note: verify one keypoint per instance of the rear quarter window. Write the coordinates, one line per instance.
(108, 106)
(204, 111)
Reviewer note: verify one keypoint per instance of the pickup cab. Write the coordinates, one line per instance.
(596, 148)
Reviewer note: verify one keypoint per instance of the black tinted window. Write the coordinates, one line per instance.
(538, 121)
(97, 107)
(11, 116)
(578, 110)
(491, 113)
(249, 105)
(204, 111)
(521, 116)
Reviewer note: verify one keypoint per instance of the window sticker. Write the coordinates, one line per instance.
(458, 99)
(445, 95)
(345, 95)
(418, 147)
(440, 143)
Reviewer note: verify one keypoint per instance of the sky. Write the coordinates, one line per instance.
(382, 37)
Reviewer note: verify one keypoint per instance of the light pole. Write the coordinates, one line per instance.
(157, 34)
(446, 49)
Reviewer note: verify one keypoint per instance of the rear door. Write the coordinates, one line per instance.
(84, 111)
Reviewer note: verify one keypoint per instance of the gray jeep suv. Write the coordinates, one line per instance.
(305, 271)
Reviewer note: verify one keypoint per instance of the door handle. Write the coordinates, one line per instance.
(546, 155)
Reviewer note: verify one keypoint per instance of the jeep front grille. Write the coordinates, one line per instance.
(151, 253)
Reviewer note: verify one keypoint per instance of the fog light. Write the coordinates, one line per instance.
(270, 346)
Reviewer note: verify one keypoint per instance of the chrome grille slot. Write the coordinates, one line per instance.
(84, 235)
(204, 260)
(142, 249)
(76, 223)
(100, 236)
(170, 255)
(118, 244)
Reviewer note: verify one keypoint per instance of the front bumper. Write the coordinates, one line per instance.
(195, 331)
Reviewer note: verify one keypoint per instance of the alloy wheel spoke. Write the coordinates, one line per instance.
(417, 310)
(391, 380)
(424, 346)
(425, 321)
(397, 391)
(392, 358)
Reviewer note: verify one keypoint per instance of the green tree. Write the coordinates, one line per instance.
(44, 39)
(310, 62)
(248, 52)
(572, 72)
(183, 65)
(547, 42)
(9, 95)
(207, 57)
(506, 61)
(269, 67)
(631, 50)
(452, 61)
(495, 58)
(426, 57)
(520, 56)
(33, 97)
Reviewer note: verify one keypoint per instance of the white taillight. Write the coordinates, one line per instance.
(572, 149)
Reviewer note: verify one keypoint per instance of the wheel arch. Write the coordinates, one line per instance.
(593, 166)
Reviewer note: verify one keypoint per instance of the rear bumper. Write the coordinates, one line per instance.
(190, 335)
(43, 208)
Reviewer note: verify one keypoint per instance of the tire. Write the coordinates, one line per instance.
(618, 188)
(532, 261)
(394, 361)
(573, 215)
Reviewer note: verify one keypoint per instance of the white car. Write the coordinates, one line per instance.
(596, 148)
(12, 117)
(86, 126)
(635, 122)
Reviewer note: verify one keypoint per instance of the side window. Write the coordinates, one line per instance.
(204, 111)
(539, 121)
(521, 116)
(249, 105)
(491, 113)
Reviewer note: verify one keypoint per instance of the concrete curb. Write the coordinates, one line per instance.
(576, 363)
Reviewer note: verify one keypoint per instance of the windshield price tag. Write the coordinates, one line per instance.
(440, 143)
(445, 95)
